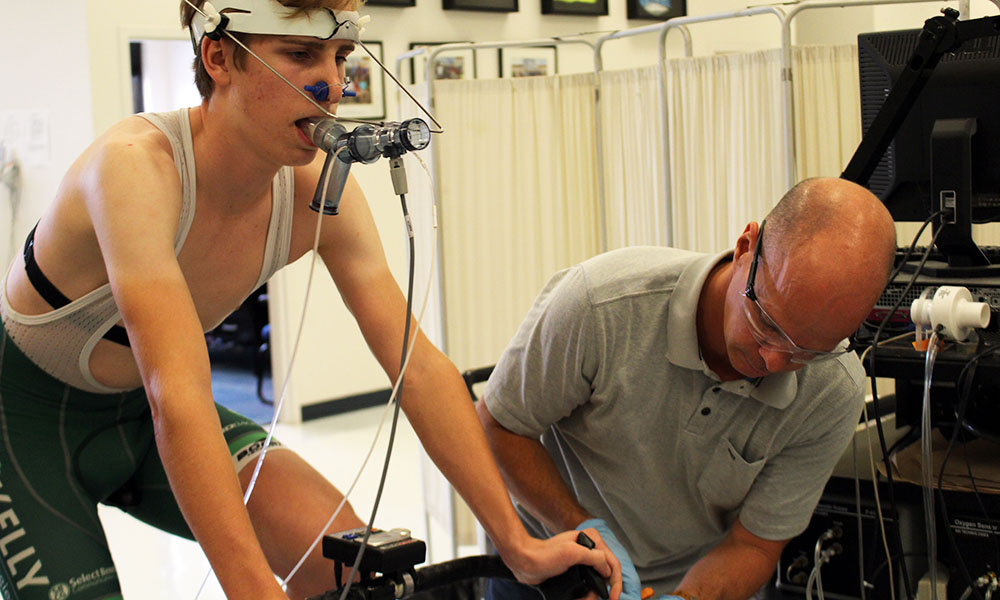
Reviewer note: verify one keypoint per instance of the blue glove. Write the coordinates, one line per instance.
(631, 588)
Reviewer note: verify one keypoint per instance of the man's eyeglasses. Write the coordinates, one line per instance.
(763, 328)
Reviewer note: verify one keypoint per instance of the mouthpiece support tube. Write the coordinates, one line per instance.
(335, 173)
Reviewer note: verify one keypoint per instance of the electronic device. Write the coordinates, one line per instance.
(907, 365)
(837, 513)
(985, 289)
(387, 551)
(977, 546)
(945, 154)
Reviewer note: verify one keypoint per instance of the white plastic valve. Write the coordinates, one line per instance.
(212, 15)
(952, 308)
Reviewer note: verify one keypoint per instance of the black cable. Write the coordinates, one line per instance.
(885, 563)
(964, 387)
(902, 263)
(979, 433)
(399, 395)
(860, 522)
(871, 361)
(906, 439)
(913, 245)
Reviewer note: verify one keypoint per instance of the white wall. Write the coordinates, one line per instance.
(44, 86)
(842, 26)
(172, 86)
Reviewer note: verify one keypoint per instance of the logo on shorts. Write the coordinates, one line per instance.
(59, 591)
(87, 580)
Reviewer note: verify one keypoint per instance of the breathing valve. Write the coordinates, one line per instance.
(952, 308)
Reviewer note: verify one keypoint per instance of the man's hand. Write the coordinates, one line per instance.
(541, 559)
(630, 589)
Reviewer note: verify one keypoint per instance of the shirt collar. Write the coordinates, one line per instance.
(777, 390)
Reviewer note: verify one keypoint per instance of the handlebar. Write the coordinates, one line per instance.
(574, 583)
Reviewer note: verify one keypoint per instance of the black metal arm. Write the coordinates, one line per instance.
(940, 35)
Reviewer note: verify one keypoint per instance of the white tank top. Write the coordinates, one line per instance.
(61, 341)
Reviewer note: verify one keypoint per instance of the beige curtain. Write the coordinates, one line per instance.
(827, 108)
(517, 170)
(517, 185)
(632, 146)
(727, 147)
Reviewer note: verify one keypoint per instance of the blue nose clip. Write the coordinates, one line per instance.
(320, 91)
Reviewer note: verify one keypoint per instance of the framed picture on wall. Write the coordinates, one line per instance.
(484, 5)
(457, 64)
(575, 7)
(367, 81)
(660, 10)
(528, 62)
(391, 3)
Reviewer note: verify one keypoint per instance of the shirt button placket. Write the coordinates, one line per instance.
(698, 424)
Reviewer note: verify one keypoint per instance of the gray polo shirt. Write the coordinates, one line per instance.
(606, 370)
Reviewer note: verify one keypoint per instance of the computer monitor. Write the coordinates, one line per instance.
(965, 85)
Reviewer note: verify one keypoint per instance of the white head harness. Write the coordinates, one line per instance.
(270, 17)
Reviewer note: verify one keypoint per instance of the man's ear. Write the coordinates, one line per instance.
(745, 243)
(217, 58)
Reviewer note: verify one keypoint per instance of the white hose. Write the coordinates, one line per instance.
(927, 466)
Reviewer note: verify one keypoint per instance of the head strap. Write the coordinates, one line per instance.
(270, 17)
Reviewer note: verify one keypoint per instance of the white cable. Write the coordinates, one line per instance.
(385, 412)
(288, 370)
(298, 337)
(820, 558)
(857, 504)
(927, 467)
(811, 581)
(278, 405)
(878, 503)
(871, 462)
(818, 566)
(312, 266)
(395, 389)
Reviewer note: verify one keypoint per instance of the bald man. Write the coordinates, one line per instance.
(691, 407)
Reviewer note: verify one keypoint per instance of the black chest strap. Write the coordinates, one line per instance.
(52, 295)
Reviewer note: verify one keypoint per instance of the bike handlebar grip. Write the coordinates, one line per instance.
(590, 576)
